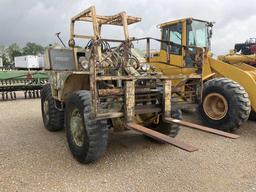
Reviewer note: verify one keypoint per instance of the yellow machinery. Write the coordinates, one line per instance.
(223, 92)
(247, 64)
(238, 59)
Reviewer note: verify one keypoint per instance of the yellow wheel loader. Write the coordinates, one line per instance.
(223, 93)
(247, 63)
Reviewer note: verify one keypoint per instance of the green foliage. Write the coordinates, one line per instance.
(13, 51)
(4, 55)
(33, 49)
(8, 54)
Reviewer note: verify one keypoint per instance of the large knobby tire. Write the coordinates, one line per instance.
(171, 130)
(87, 138)
(53, 118)
(252, 116)
(167, 128)
(225, 104)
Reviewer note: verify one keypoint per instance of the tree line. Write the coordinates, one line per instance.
(14, 50)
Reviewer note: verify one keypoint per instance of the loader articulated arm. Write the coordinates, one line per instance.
(242, 73)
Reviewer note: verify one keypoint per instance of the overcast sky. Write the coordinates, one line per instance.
(38, 20)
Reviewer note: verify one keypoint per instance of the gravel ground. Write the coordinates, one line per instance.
(33, 159)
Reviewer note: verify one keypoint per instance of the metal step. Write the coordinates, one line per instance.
(200, 128)
(162, 137)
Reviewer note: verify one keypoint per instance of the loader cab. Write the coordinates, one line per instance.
(182, 42)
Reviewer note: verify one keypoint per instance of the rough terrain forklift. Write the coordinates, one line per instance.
(99, 86)
(223, 94)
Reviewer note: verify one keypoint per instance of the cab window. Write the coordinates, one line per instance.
(172, 33)
(164, 38)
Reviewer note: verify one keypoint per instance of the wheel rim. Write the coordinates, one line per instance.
(215, 106)
(46, 111)
(77, 127)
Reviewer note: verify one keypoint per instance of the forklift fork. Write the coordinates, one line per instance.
(131, 124)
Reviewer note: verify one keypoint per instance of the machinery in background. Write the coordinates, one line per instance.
(247, 48)
(29, 82)
(29, 62)
(224, 94)
(244, 53)
(25, 75)
(243, 57)
(240, 60)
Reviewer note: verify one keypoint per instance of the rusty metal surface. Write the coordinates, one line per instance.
(113, 92)
(167, 94)
(120, 91)
(129, 101)
(162, 137)
(116, 19)
(109, 115)
(201, 128)
(112, 73)
(147, 109)
(109, 78)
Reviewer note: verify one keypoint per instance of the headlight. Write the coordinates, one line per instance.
(83, 62)
(145, 67)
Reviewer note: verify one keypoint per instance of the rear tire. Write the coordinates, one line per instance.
(166, 128)
(225, 104)
(171, 130)
(53, 118)
(252, 116)
(87, 138)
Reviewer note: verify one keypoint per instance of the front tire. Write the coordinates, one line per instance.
(87, 138)
(225, 104)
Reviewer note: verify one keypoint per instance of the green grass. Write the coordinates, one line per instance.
(22, 74)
